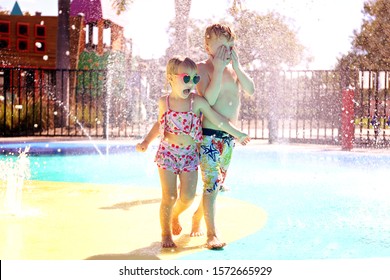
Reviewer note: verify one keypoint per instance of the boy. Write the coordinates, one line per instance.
(221, 79)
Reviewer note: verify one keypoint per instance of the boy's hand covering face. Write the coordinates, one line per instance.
(222, 57)
(235, 61)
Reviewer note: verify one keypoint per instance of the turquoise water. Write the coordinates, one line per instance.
(320, 204)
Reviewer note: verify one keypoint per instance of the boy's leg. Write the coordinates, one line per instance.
(215, 158)
(213, 241)
(196, 218)
(188, 181)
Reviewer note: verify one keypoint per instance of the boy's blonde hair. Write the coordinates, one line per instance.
(218, 30)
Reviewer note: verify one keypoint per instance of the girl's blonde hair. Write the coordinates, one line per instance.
(218, 30)
(176, 61)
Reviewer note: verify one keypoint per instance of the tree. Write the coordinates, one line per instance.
(180, 25)
(63, 60)
(63, 44)
(263, 42)
(266, 40)
(121, 5)
(370, 45)
(195, 39)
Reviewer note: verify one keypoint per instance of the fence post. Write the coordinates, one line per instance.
(347, 119)
(273, 105)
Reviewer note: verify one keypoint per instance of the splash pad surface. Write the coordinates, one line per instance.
(310, 202)
(75, 221)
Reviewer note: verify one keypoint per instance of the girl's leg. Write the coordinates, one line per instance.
(169, 195)
(188, 182)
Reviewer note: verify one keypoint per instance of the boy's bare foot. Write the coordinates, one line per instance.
(176, 227)
(213, 243)
(167, 242)
(196, 230)
(224, 189)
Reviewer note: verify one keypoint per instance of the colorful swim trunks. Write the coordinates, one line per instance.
(215, 155)
(177, 159)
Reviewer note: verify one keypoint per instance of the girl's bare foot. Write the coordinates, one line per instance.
(176, 227)
(213, 243)
(196, 230)
(167, 242)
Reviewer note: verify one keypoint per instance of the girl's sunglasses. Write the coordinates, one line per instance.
(187, 78)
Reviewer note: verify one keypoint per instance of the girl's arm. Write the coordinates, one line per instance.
(220, 121)
(152, 134)
(154, 131)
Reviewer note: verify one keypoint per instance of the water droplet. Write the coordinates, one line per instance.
(45, 57)
(67, 52)
(55, 113)
(60, 12)
(36, 125)
(38, 44)
(42, 22)
(73, 27)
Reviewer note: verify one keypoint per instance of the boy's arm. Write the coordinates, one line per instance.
(210, 87)
(246, 82)
(222, 122)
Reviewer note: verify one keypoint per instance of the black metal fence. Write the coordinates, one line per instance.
(288, 106)
(294, 106)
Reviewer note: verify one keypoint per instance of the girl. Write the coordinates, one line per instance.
(179, 125)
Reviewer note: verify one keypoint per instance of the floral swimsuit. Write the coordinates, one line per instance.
(173, 157)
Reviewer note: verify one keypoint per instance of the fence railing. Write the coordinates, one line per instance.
(288, 106)
(294, 106)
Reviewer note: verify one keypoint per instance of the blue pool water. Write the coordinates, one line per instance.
(321, 204)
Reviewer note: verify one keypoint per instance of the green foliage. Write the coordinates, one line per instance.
(263, 41)
(371, 45)
(91, 60)
(88, 79)
(266, 40)
(24, 114)
(121, 5)
(196, 30)
(365, 122)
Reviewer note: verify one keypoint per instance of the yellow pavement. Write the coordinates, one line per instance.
(73, 221)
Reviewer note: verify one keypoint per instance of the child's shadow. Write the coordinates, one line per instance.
(153, 251)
